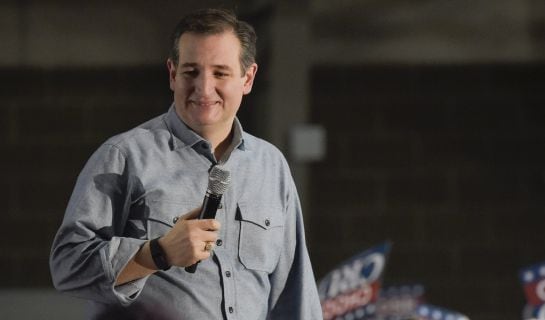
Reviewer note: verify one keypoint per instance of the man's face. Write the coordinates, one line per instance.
(207, 82)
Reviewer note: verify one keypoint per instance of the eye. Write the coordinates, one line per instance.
(221, 74)
(190, 73)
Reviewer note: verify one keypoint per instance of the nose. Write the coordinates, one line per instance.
(204, 84)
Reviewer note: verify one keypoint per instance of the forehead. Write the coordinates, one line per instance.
(198, 48)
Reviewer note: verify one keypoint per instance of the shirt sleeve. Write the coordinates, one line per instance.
(293, 287)
(89, 251)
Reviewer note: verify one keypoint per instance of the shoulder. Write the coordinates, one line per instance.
(150, 134)
(266, 156)
(258, 145)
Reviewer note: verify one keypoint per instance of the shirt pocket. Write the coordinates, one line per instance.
(261, 236)
(164, 213)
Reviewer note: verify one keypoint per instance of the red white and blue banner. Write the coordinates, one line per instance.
(533, 312)
(430, 312)
(351, 290)
(399, 302)
(533, 283)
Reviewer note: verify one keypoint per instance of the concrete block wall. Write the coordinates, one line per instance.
(51, 122)
(447, 162)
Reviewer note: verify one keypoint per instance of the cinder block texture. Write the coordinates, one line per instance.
(448, 162)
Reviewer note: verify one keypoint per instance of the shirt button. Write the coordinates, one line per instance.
(267, 222)
(175, 219)
(231, 310)
(219, 242)
(228, 274)
(220, 206)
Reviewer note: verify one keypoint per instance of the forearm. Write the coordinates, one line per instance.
(140, 266)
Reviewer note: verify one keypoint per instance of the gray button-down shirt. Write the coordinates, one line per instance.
(135, 186)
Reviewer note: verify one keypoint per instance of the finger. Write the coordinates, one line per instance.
(193, 214)
(209, 236)
(202, 250)
(203, 255)
(208, 246)
(210, 224)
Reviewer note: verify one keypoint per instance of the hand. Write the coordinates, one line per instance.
(184, 244)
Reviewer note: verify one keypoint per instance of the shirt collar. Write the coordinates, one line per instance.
(183, 136)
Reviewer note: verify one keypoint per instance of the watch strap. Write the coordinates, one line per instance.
(158, 255)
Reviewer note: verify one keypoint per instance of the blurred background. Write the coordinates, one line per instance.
(420, 122)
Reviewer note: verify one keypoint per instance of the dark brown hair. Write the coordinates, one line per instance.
(215, 21)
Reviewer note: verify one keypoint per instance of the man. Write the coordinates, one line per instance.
(130, 228)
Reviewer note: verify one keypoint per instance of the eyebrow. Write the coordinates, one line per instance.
(194, 65)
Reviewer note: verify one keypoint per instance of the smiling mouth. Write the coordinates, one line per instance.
(203, 104)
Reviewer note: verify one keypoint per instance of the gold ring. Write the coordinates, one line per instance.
(208, 246)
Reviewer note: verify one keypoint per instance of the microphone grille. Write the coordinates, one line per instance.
(218, 180)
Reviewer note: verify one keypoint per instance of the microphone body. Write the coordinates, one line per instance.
(210, 205)
(218, 182)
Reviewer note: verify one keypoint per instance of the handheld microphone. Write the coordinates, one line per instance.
(218, 181)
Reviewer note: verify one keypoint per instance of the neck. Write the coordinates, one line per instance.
(221, 147)
(219, 141)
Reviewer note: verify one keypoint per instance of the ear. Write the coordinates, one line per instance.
(249, 77)
(171, 73)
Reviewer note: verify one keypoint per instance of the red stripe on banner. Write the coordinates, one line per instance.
(535, 292)
(349, 301)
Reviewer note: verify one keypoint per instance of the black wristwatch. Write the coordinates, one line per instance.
(158, 255)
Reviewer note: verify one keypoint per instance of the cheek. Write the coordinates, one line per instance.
(182, 88)
(233, 89)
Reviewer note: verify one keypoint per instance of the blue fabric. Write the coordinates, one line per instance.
(133, 188)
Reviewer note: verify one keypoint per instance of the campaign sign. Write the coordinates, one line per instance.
(531, 312)
(351, 290)
(399, 302)
(430, 312)
(533, 281)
